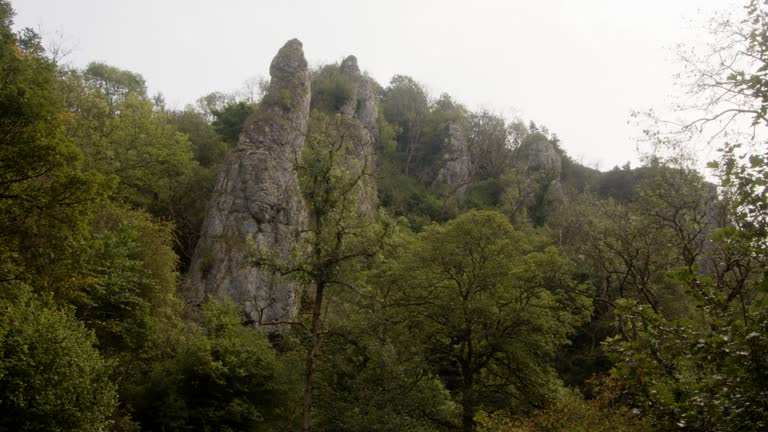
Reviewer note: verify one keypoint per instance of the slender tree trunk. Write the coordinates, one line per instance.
(467, 409)
(314, 347)
(411, 151)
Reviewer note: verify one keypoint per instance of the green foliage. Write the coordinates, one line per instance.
(706, 370)
(692, 378)
(114, 84)
(405, 196)
(149, 155)
(45, 200)
(708, 373)
(621, 184)
(127, 275)
(187, 208)
(208, 147)
(376, 380)
(222, 378)
(405, 105)
(568, 413)
(51, 376)
(140, 148)
(100, 188)
(208, 104)
(577, 178)
(400, 194)
(745, 44)
(491, 308)
(187, 205)
(128, 140)
(331, 181)
(229, 120)
(485, 194)
(488, 141)
(330, 89)
(374, 376)
(743, 177)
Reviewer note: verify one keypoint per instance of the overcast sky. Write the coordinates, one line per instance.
(577, 66)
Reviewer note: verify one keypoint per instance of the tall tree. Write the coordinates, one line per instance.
(45, 199)
(114, 84)
(405, 104)
(707, 373)
(491, 307)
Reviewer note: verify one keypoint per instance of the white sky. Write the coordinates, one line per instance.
(577, 66)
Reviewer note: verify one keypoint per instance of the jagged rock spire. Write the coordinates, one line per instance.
(257, 196)
(362, 106)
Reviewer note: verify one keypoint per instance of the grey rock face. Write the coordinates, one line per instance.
(257, 195)
(454, 175)
(544, 166)
(362, 107)
(540, 155)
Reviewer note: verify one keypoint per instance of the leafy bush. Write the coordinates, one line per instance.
(51, 376)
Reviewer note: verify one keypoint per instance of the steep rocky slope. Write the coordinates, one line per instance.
(257, 196)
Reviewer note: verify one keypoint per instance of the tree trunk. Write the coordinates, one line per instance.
(467, 411)
(314, 347)
(467, 397)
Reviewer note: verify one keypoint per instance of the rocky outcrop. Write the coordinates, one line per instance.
(257, 196)
(544, 166)
(362, 106)
(540, 156)
(454, 175)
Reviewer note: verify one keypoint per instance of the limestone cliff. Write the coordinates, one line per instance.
(454, 175)
(361, 105)
(540, 156)
(544, 167)
(257, 196)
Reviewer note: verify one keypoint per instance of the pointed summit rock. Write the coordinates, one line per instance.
(257, 196)
(361, 105)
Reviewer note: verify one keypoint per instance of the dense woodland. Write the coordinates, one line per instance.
(628, 300)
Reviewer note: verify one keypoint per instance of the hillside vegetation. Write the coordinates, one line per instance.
(449, 269)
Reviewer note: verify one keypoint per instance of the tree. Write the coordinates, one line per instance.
(339, 235)
(253, 89)
(206, 105)
(114, 84)
(51, 376)
(488, 139)
(570, 413)
(127, 140)
(376, 378)
(45, 199)
(331, 89)
(187, 204)
(126, 276)
(228, 121)
(207, 146)
(707, 373)
(219, 376)
(141, 149)
(405, 105)
(491, 308)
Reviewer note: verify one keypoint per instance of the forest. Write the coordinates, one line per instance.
(418, 265)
